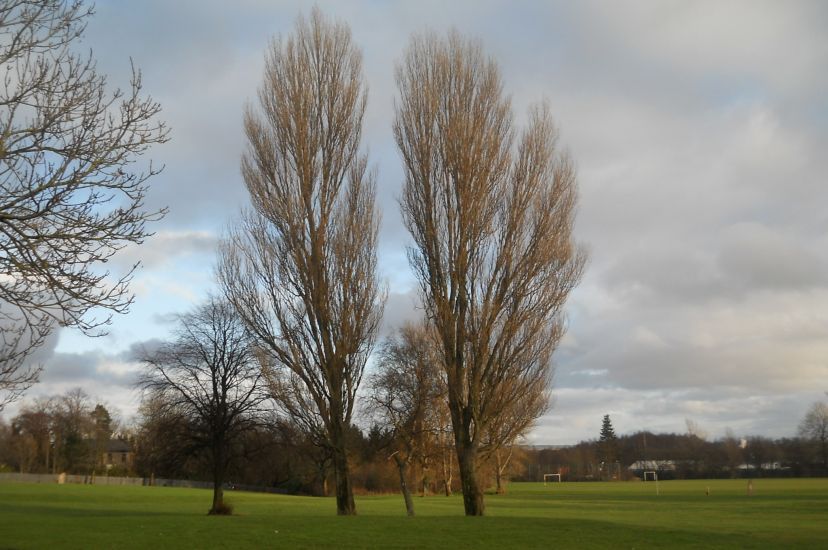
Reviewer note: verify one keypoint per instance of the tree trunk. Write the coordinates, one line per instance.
(472, 492)
(344, 492)
(345, 505)
(322, 474)
(218, 496)
(447, 470)
(402, 467)
(498, 473)
(424, 478)
(218, 480)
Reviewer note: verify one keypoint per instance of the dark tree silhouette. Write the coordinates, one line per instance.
(208, 375)
(608, 441)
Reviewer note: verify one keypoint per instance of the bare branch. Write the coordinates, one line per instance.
(70, 193)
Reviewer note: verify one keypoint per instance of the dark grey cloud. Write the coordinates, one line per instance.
(165, 318)
(166, 247)
(98, 367)
(107, 376)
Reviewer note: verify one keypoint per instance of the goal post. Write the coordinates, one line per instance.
(553, 476)
(655, 478)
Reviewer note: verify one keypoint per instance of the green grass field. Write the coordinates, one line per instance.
(780, 514)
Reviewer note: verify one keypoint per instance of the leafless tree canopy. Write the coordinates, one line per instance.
(517, 417)
(209, 376)
(405, 395)
(491, 217)
(814, 427)
(70, 195)
(300, 267)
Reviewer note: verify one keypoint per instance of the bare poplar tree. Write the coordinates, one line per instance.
(301, 266)
(403, 393)
(209, 376)
(491, 218)
(70, 197)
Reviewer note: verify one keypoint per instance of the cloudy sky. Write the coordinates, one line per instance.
(700, 132)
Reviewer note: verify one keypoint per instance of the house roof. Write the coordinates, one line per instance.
(118, 446)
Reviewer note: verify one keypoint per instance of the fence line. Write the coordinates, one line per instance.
(118, 480)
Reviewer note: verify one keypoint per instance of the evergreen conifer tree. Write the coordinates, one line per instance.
(607, 441)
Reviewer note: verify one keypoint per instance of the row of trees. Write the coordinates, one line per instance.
(679, 456)
(490, 215)
(67, 433)
(689, 455)
(490, 211)
(211, 390)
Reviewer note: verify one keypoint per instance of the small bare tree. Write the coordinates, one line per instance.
(492, 222)
(511, 423)
(814, 427)
(208, 375)
(69, 195)
(301, 266)
(403, 392)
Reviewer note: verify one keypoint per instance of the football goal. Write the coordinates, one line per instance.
(546, 478)
(654, 477)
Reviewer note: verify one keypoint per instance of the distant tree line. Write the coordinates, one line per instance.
(70, 433)
(67, 433)
(686, 456)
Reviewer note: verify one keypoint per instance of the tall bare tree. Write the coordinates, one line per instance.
(301, 266)
(491, 220)
(208, 375)
(70, 196)
(404, 390)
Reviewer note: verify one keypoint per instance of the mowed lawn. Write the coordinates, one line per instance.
(779, 514)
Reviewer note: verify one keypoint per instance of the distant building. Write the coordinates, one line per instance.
(652, 466)
(118, 454)
(765, 466)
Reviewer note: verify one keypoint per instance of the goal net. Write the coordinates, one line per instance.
(547, 477)
(650, 475)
